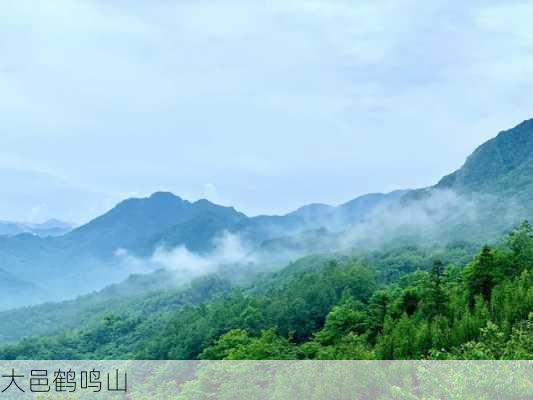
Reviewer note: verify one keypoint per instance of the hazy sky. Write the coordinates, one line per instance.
(263, 105)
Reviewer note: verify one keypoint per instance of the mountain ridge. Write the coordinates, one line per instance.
(499, 169)
(497, 162)
(51, 227)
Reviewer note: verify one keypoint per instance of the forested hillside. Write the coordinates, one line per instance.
(343, 308)
(503, 165)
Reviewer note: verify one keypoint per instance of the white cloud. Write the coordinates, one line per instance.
(227, 249)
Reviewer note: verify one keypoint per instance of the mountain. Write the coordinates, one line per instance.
(359, 208)
(198, 233)
(147, 316)
(503, 165)
(144, 223)
(340, 217)
(488, 195)
(323, 227)
(166, 220)
(484, 199)
(85, 258)
(52, 227)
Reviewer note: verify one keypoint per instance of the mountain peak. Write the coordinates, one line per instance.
(164, 196)
(134, 222)
(156, 199)
(203, 202)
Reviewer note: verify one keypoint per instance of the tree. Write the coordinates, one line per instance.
(343, 319)
(520, 241)
(268, 346)
(438, 297)
(378, 308)
(409, 301)
(480, 276)
(229, 342)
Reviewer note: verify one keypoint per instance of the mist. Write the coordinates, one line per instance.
(435, 217)
(429, 217)
(432, 217)
(228, 249)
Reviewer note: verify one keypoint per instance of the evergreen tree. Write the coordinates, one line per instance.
(480, 276)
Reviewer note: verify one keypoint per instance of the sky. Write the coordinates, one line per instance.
(261, 105)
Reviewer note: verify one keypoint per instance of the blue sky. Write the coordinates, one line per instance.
(263, 105)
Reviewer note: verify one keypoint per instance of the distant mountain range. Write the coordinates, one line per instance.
(164, 219)
(500, 173)
(52, 227)
(85, 258)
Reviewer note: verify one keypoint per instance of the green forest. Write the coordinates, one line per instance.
(456, 302)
